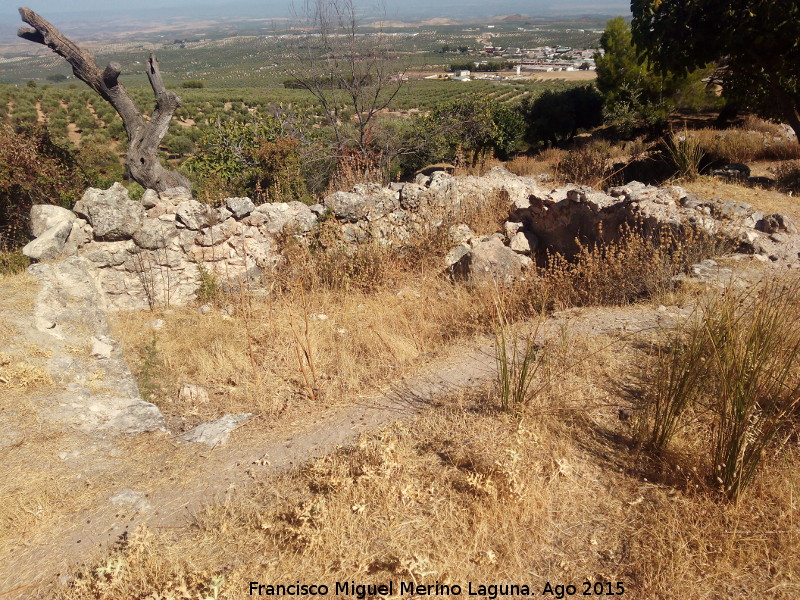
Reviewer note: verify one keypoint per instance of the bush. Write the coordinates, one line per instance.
(591, 164)
(33, 170)
(787, 176)
(634, 264)
(243, 157)
(193, 84)
(558, 116)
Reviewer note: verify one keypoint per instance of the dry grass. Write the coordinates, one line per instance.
(467, 494)
(769, 201)
(19, 291)
(248, 361)
(20, 374)
(633, 266)
(746, 145)
(728, 382)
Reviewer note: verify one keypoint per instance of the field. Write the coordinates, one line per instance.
(609, 424)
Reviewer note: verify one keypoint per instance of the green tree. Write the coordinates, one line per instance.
(473, 124)
(558, 116)
(245, 157)
(632, 91)
(756, 43)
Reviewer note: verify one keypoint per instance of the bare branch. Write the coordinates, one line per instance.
(143, 136)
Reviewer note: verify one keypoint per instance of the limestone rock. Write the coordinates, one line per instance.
(50, 244)
(460, 234)
(347, 206)
(194, 394)
(155, 233)
(490, 262)
(176, 195)
(150, 198)
(111, 213)
(81, 234)
(195, 215)
(240, 207)
(46, 216)
(777, 223)
(215, 433)
(523, 242)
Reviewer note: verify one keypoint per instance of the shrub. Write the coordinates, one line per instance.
(634, 265)
(591, 164)
(33, 170)
(787, 176)
(685, 153)
(559, 115)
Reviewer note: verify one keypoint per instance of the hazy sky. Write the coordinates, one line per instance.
(406, 9)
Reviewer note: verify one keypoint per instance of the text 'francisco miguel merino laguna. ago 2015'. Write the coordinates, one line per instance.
(360, 591)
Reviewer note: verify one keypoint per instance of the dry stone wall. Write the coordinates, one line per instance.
(153, 251)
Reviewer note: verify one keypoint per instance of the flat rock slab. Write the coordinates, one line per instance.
(215, 433)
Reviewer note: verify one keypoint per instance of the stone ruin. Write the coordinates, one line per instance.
(153, 251)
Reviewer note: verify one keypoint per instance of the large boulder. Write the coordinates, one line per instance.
(50, 244)
(111, 213)
(45, 216)
(490, 261)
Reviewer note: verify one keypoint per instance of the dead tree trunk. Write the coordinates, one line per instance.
(144, 135)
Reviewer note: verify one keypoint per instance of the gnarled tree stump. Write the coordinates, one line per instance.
(144, 135)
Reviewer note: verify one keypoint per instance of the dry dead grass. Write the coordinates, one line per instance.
(466, 494)
(19, 290)
(769, 201)
(358, 342)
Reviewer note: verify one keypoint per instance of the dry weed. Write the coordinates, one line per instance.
(636, 265)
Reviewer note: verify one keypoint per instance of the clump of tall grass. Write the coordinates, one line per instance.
(685, 153)
(519, 360)
(733, 374)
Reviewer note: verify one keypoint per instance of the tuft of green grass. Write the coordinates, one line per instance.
(520, 360)
(733, 374)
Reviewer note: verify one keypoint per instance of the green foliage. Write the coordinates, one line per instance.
(135, 191)
(559, 115)
(209, 290)
(100, 164)
(635, 93)
(474, 124)
(485, 67)
(180, 145)
(519, 362)
(150, 370)
(193, 84)
(12, 261)
(236, 155)
(755, 41)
